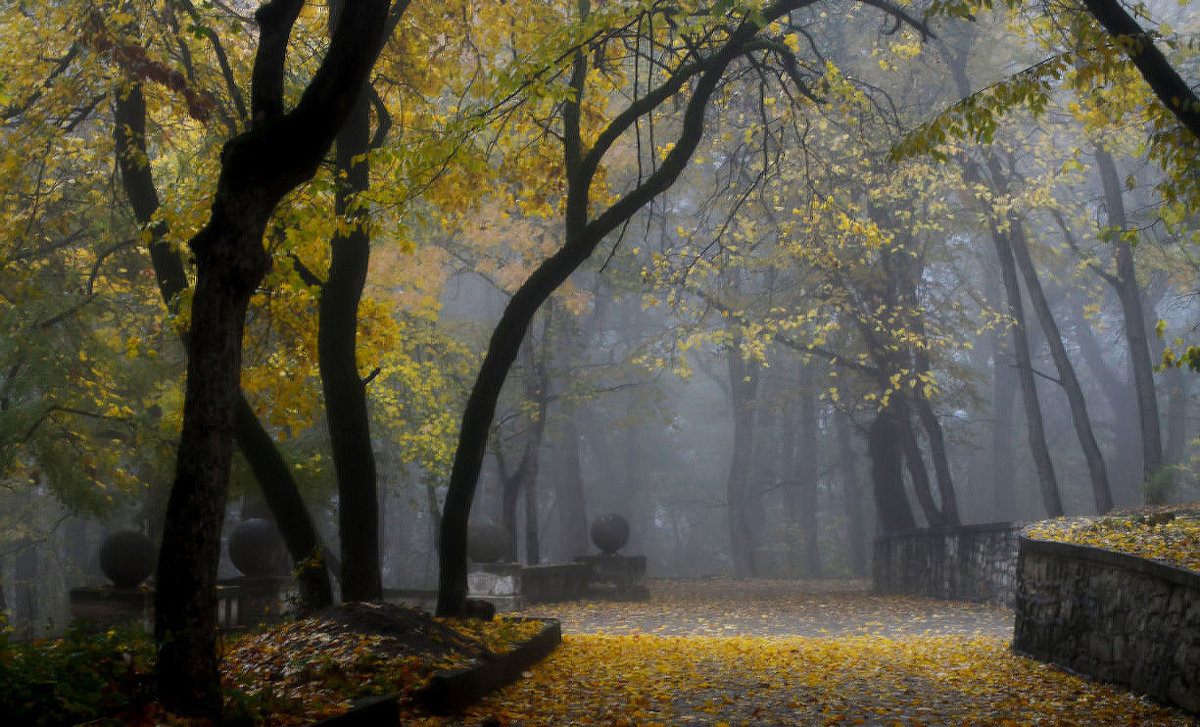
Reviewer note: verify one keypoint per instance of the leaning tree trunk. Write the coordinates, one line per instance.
(1035, 429)
(1126, 457)
(581, 237)
(258, 168)
(271, 472)
(337, 346)
(1101, 491)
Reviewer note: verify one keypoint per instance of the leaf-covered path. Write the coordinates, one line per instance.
(796, 653)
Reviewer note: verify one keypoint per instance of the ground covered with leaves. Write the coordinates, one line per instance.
(1168, 534)
(784, 653)
(714, 652)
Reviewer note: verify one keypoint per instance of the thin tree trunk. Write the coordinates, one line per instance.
(1035, 427)
(1129, 292)
(743, 387)
(1051, 499)
(856, 525)
(572, 505)
(807, 472)
(337, 346)
(1126, 455)
(1004, 390)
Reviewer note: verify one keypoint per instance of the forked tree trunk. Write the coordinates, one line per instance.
(271, 471)
(581, 237)
(280, 152)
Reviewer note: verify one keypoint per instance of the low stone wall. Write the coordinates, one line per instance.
(964, 563)
(1111, 617)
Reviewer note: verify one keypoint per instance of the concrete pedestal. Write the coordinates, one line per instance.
(616, 577)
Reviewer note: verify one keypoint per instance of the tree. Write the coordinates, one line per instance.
(280, 151)
(701, 67)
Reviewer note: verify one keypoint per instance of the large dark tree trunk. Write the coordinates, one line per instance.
(743, 390)
(271, 472)
(1101, 491)
(337, 345)
(1129, 292)
(280, 152)
(886, 453)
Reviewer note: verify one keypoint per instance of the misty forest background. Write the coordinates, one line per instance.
(903, 281)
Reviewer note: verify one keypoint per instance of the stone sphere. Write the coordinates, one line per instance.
(610, 532)
(127, 557)
(487, 542)
(256, 548)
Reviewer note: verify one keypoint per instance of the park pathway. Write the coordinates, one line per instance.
(721, 652)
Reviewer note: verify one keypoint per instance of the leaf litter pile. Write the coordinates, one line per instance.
(821, 653)
(1168, 534)
(311, 668)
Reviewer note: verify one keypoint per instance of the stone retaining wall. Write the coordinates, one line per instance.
(1111, 617)
(964, 562)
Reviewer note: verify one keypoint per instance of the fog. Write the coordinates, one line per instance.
(810, 339)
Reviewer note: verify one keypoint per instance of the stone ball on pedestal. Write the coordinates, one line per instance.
(127, 557)
(610, 532)
(487, 542)
(256, 548)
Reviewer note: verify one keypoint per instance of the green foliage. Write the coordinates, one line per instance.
(78, 678)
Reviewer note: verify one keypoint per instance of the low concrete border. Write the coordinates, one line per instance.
(1112, 617)
(454, 689)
